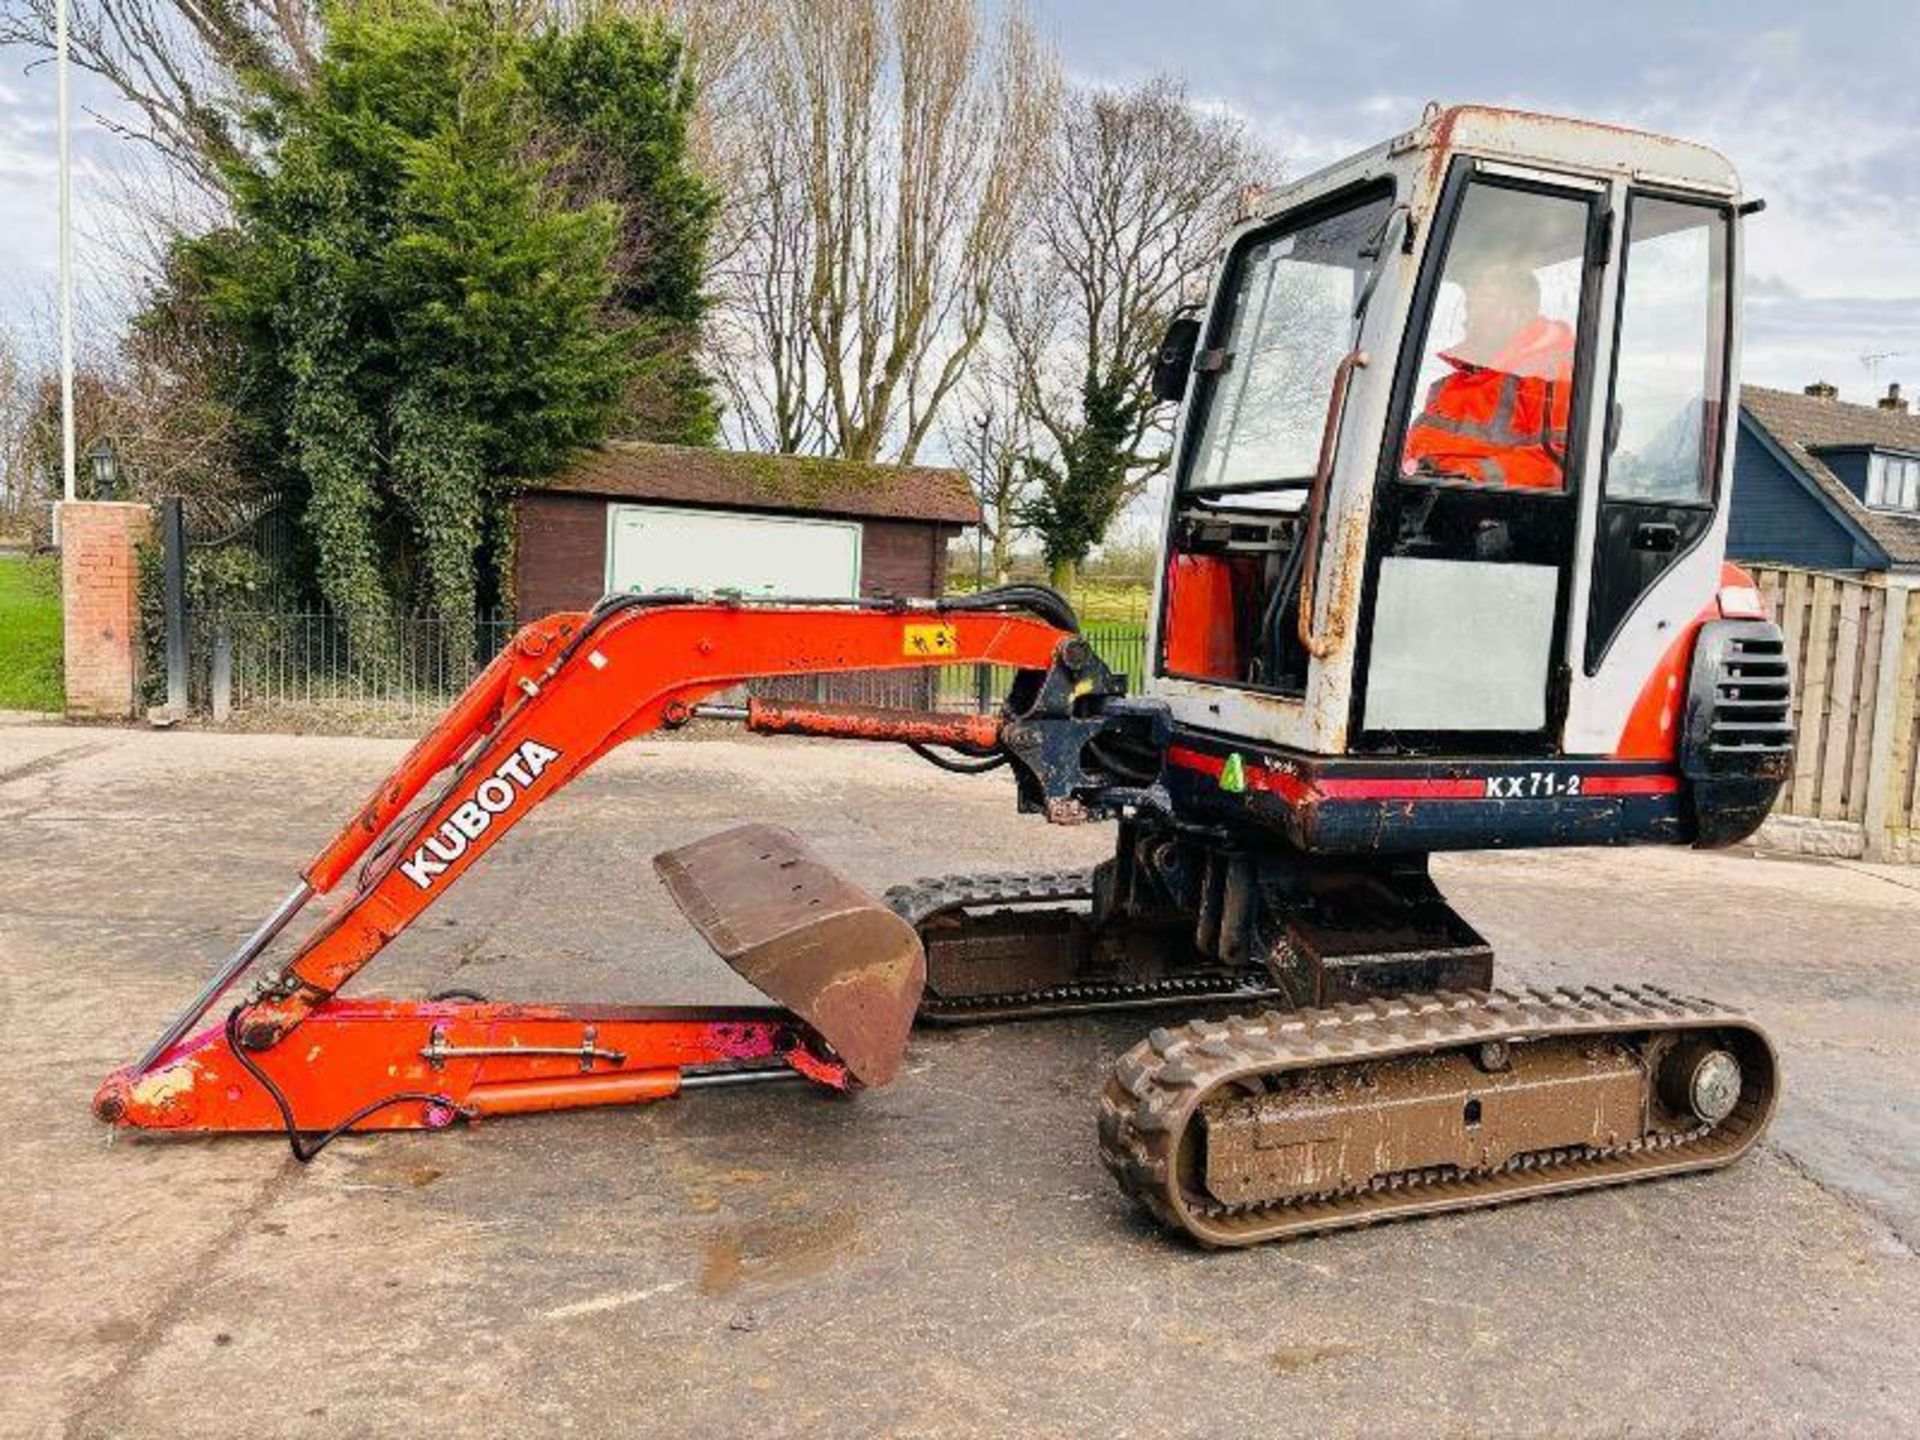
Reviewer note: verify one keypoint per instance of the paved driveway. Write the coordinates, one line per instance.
(942, 1257)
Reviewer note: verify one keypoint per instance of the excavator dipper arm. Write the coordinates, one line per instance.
(567, 690)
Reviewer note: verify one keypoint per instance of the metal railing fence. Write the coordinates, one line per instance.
(1121, 644)
(395, 666)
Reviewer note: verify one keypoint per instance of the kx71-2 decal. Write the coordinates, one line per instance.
(1543, 784)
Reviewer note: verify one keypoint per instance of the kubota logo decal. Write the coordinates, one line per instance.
(495, 795)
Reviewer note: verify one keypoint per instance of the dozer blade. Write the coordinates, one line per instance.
(1293, 1123)
(806, 937)
(1020, 945)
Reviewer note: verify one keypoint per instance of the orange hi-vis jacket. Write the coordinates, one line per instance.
(1505, 422)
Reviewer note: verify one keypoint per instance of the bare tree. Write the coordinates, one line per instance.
(174, 63)
(1139, 187)
(722, 37)
(990, 433)
(889, 150)
(152, 392)
(20, 485)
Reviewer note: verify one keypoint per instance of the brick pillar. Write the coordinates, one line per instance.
(100, 597)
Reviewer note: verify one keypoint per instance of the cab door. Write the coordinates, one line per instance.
(1471, 558)
(1656, 559)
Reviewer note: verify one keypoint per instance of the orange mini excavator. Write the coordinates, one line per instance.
(1443, 570)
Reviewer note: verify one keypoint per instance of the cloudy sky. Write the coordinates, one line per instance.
(1818, 106)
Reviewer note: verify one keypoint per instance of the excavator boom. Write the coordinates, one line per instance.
(568, 689)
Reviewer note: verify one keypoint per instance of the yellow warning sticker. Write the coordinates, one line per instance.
(931, 640)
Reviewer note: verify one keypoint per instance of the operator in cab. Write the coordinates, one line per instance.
(1499, 416)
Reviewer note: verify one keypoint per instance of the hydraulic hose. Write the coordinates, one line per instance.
(966, 766)
(1040, 600)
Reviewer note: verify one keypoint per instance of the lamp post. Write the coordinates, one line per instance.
(66, 263)
(104, 460)
(982, 676)
(985, 422)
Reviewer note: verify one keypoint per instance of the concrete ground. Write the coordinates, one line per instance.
(944, 1257)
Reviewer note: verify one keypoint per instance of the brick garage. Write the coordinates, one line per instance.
(904, 515)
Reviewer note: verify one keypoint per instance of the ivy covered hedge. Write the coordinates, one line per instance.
(464, 252)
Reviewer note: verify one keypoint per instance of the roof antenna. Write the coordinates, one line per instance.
(1873, 362)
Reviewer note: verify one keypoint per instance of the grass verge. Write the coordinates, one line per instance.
(1097, 601)
(30, 670)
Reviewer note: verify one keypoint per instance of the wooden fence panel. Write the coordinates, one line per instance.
(1835, 629)
(1815, 688)
(1837, 743)
(1903, 813)
(1865, 690)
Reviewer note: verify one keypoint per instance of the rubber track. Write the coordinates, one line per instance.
(931, 898)
(1158, 1087)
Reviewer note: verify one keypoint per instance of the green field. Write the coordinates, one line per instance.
(1103, 601)
(30, 633)
(1113, 618)
(1098, 601)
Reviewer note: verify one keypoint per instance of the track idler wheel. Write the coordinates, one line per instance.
(1701, 1077)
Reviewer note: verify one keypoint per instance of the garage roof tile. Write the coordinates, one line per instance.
(735, 479)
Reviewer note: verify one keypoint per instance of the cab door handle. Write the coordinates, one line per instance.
(1659, 536)
(1317, 644)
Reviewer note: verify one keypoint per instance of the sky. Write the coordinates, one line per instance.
(103, 166)
(1817, 106)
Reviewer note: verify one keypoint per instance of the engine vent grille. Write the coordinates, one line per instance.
(1752, 695)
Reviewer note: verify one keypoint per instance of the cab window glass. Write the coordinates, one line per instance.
(1670, 375)
(1291, 322)
(1495, 390)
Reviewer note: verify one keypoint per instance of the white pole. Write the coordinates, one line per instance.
(66, 261)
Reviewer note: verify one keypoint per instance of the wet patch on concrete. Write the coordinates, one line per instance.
(775, 1252)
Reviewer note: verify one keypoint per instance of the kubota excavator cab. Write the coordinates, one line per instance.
(1382, 610)
(1443, 570)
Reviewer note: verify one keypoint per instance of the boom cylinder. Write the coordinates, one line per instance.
(874, 722)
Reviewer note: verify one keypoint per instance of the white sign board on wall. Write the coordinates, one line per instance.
(651, 549)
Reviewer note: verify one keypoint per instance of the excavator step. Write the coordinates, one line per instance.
(805, 936)
(1294, 1123)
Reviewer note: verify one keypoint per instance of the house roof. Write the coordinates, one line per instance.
(1804, 424)
(736, 479)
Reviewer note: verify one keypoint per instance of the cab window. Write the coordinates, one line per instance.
(1665, 420)
(1289, 321)
(1495, 390)
(1289, 312)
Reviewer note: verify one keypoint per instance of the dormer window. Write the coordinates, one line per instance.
(1893, 482)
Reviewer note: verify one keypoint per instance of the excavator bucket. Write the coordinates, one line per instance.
(804, 936)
